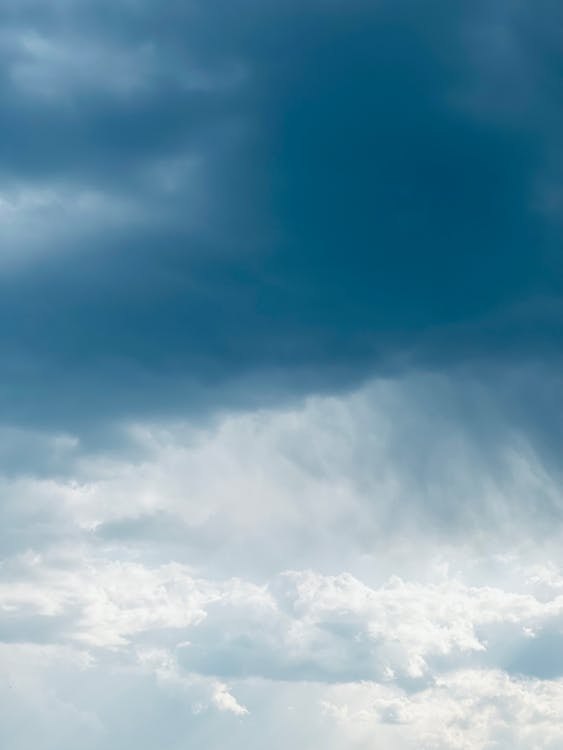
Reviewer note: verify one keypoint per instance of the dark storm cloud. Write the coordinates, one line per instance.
(359, 192)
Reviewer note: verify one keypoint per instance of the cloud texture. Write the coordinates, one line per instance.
(280, 397)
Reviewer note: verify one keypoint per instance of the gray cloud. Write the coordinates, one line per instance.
(308, 194)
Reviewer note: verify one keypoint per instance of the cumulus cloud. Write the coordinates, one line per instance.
(367, 656)
(121, 568)
(299, 625)
(463, 710)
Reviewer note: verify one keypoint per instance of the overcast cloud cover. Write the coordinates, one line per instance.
(281, 313)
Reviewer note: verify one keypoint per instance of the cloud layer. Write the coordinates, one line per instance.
(326, 570)
(215, 205)
(280, 399)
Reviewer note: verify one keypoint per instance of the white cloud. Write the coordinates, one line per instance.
(332, 484)
(302, 625)
(226, 702)
(468, 710)
(303, 557)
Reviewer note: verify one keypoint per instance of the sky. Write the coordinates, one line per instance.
(281, 405)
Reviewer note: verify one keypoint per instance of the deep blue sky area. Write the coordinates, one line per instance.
(355, 189)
